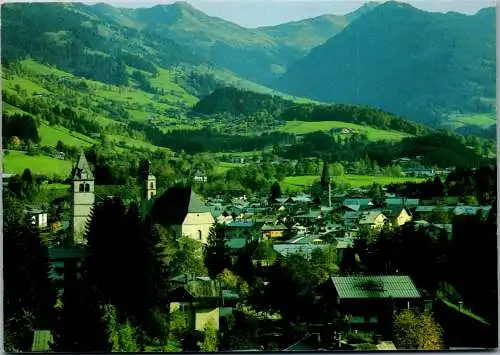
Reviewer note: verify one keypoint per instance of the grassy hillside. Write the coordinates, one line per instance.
(51, 134)
(373, 134)
(480, 120)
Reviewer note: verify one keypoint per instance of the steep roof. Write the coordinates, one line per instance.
(172, 207)
(370, 217)
(82, 169)
(375, 287)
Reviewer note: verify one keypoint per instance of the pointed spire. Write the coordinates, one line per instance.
(325, 176)
(82, 169)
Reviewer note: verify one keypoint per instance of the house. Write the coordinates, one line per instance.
(273, 231)
(341, 244)
(199, 300)
(311, 216)
(60, 155)
(184, 212)
(372, 219)
(306, 239)
(241, 229)
(351, 219)
(6, 178)
(37, 217)
(65, 264)
(369, 302)
(398, 215)
(409, 203)
(357, 204)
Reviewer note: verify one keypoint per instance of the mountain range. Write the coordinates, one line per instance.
(413, 63)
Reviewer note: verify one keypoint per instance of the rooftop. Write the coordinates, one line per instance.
(358, 287)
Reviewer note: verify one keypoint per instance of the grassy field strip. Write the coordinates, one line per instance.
(374, 134)
(15, 162)
(296, 183)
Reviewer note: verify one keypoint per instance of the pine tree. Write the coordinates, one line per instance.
(216, 252)
(28, 294)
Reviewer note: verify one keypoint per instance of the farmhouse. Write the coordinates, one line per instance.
(370, 301)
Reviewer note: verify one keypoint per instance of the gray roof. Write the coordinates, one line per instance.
(236, 243)
(241, 224)
(410, 202)
(358, 201)
(375, 287)
(306, 249)
(306, 239)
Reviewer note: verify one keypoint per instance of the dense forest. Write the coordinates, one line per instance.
(440, 149)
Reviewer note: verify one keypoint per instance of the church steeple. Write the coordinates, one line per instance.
(82, 171)
(149, 181)
(83, 197)
(325, 176)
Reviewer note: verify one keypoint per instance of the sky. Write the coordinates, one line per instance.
(255, 13)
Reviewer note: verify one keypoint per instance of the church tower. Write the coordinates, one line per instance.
(149, 181)
(83, 198)
(150, 187)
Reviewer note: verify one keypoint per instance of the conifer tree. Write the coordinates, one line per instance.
(217, 252)
(28, 291)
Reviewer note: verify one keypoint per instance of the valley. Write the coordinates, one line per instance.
(168, 176)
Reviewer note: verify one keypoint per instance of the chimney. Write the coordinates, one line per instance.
(460, 305)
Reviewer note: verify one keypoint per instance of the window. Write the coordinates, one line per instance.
(151, 185)
(81, 188)
(199, 235)
(151, 194)
(87, 187)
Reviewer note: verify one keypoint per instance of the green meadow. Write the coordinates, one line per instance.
(374, 134)
(51, 134)
(296, 183)
(15, 162)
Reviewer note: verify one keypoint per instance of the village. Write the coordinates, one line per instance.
(291, 225)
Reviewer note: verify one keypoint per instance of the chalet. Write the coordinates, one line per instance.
(199, 300)
(37, 217)
(200, 176)
(371, 301)
(184, 212)
(397, 215)
(273, 231)
(372, 219)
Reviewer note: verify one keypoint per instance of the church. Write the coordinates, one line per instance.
(179, 208)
